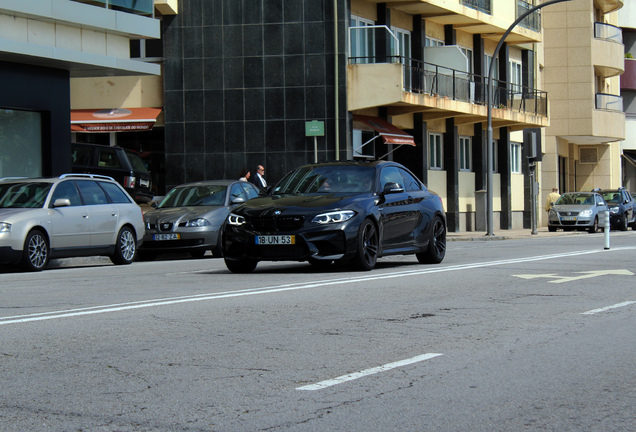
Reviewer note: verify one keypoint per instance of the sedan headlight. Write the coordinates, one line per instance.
(197, 223)
(5, 227)
(586, 213)
(234, 219)
(614, 210)
(333, 217)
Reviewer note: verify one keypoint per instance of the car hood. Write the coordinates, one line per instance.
(175, 214)
(299, 204)
(9, 212)
(572, 208)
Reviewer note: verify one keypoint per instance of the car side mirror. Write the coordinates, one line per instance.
(62, 202)
(392, 187)
(238, 200)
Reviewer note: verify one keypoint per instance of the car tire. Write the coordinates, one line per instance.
(35, 254)
(243, 265)
(624, 223)
(552, 228)
(594, 228)
(125, 247)
(436, 250)
(368, 247)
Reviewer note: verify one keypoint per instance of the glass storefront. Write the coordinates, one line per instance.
(20, 143)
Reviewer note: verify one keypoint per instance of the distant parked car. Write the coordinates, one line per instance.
(67, 216)
(577, 210)
(190, 216)
(622, 208)
(124, 165)
(346, 212)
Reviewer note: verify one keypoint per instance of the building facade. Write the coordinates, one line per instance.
(584, 56)
(44, 44)
(627, 23)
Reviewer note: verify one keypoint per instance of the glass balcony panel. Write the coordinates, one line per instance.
(532, 21)
(609, 102)
(480, 5)
(137, 7)
(608, 32)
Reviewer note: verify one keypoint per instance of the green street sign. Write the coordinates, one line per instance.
(315, 128)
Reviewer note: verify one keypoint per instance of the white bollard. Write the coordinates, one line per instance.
(606, 230)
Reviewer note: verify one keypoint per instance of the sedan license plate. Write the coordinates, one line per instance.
(276, 240)
(568, 218)
(166, 237)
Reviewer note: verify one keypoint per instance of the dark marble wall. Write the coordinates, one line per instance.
(241, 78)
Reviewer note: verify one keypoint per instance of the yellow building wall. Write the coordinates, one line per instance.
(117, 92)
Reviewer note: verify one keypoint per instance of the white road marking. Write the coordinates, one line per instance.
(583, 275)
(605, 309)
(367, 372)
(275, 289)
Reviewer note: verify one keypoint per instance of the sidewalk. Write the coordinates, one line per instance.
(507, 234)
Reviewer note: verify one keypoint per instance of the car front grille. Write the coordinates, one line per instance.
(281, 223)
(569, 213)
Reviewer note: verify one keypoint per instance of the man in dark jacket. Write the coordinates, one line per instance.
(259, 178)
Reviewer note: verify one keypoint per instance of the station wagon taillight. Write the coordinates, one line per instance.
(129, 182)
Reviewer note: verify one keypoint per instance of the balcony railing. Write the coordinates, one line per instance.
(137, 7)
(532, 21)
(608, 32)
(609, 102)
(480, 5)
(431, 79)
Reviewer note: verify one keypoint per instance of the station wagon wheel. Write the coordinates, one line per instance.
(241, 265)
(436, 250)
(35, 254)
(624, 223)
(368, 246)
(125, 247)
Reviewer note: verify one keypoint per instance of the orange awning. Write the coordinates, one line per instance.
(389, 133)
(113, 120)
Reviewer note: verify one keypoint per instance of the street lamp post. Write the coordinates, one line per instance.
(489, 102)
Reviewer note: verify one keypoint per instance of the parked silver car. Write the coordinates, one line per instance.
(67, 216)
(190, 217)
(577, 210)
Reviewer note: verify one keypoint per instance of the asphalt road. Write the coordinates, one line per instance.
(513, 335)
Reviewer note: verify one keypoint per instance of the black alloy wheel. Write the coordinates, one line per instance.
(436, 250)
(35, 254)
(243, 265)
(368, 247)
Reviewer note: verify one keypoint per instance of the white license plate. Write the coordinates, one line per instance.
(276, 240)
(144, 183)
(166, 236)
(568, 218)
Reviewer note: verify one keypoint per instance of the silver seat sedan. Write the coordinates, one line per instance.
(577, 211)
(190, 217)
(67, 216)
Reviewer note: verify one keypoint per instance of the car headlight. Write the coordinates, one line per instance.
(614, 210)
(198, 223)
(234, 219)
(333, 217)
(553, 212)
(586, 213)
(5, 227)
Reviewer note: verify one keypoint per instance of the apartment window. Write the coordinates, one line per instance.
(469, 55)
(401, 51)
(465, 153)
(362, 40)
(363, 144)
(515, 76)
(20, 143)
(495, 66)
(146, 49)
(515, 158)
(432, 42)
(435, 151)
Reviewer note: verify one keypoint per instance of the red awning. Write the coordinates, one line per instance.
(390, 134)
(114, 120)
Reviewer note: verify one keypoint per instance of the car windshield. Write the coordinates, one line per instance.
(23, 195)
(327, 179)
(612, 197)
(576, 199)
(183, 196)
(137, 163)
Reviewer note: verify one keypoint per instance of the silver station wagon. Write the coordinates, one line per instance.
(67, 216)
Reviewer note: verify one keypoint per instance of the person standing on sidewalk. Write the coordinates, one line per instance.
(552, 198)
